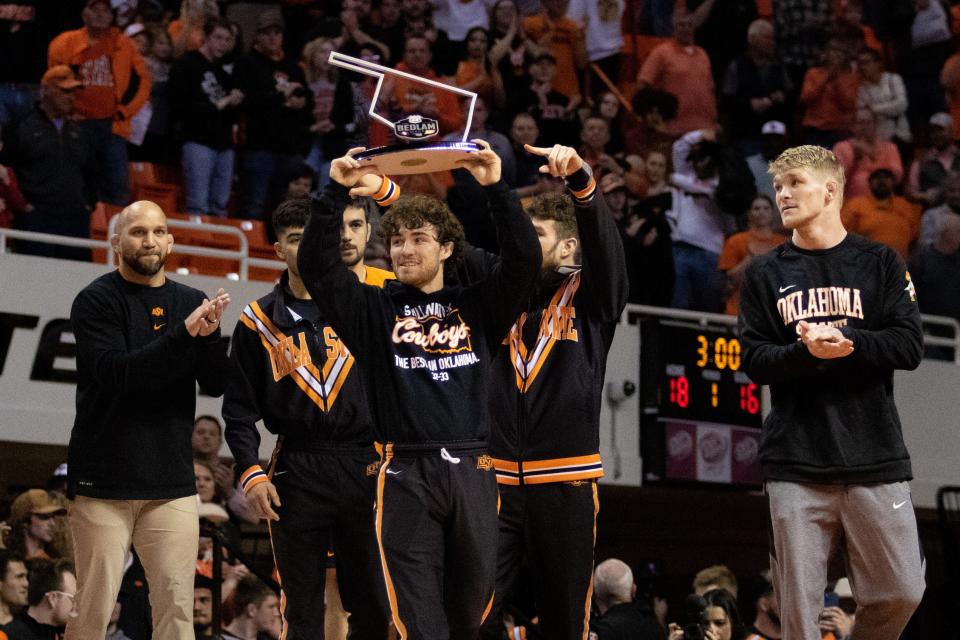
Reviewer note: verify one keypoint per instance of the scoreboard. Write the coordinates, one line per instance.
(701, 413)
(700, 378)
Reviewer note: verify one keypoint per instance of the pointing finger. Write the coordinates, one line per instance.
(537, 151)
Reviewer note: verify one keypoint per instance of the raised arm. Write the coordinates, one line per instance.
(604, 263)
(506, 287)
(335, 289)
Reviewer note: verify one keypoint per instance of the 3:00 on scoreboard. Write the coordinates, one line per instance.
(700, 377)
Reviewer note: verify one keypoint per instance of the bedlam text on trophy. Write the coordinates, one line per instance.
(416, 154)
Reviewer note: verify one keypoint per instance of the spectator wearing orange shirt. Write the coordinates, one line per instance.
(683, 69)
(116, 85)
(740, 248)
(864, 153)
(476, 72)
(409, 97)
(830, 96)
(882, 216)
(553, 31)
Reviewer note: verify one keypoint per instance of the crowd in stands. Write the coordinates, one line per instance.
(681, 101)
(38, 582)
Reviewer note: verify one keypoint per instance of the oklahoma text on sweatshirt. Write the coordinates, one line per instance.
(832, 421)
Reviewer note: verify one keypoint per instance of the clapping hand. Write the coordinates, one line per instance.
(824, 342)
(205, 319)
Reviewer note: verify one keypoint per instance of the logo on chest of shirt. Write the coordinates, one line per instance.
(821, 302)
(438, 334)
(556, 324)
(97, 72)
(157, 313)
(291, 358)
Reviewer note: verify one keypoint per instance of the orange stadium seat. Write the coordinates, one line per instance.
(99, 222)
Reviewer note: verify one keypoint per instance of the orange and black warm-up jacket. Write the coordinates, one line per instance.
(547, 388)
(297, 377)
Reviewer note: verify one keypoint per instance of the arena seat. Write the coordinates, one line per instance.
(99, 223)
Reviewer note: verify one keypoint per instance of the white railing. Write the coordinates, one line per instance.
(241, 255)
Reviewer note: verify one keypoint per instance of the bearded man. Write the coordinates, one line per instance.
(143, 343)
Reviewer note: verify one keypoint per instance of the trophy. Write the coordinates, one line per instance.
(417, 154)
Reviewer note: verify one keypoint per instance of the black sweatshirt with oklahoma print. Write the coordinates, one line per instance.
(832, 421)
(424, 358)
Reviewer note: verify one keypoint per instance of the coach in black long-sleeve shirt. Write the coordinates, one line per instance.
(143, 342)
(424, 351)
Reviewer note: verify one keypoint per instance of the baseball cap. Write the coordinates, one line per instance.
(34, 501)
(942, 120)
(134, 29)
(773, 128)
(60, 76)
(268, 20)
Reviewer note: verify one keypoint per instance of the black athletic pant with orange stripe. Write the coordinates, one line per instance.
(327, 500)
(553, 526)
(437, 526)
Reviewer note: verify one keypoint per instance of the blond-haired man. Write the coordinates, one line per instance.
(825, 319)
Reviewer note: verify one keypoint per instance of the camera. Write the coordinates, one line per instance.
(694, 617)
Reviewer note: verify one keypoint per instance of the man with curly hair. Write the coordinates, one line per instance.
(424, 351)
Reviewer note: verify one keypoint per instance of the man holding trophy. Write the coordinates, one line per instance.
(424, 351)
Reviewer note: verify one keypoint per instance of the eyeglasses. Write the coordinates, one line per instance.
(72, 596)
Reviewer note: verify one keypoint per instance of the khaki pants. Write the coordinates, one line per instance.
(164, 533)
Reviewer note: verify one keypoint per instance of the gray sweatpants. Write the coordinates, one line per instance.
(876, 526)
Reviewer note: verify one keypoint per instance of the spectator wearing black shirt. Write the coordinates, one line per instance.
(206, 105)
(13, 585)
(721, 29)
(523, 131)
(934, 269)
(388, 29)
(51, 599)
(550, 108)
(621, 617)
(52, 156)
(142, 341)
(278, 110)
(755, 88)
